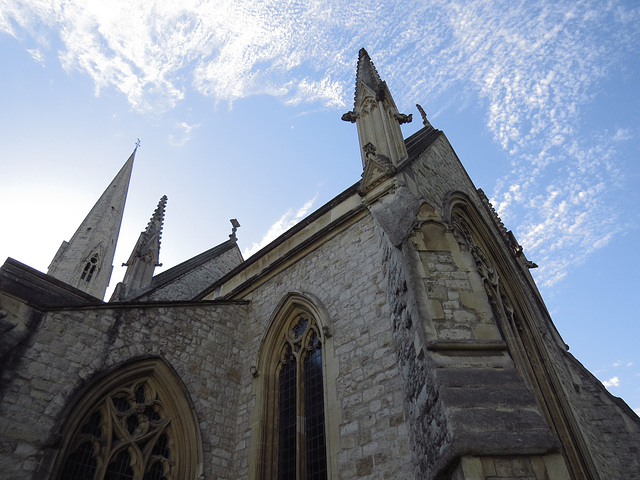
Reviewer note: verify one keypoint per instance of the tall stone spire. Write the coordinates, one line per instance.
(145, 255)
(377, 117)
(86, 261)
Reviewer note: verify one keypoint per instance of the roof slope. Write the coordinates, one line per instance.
(191, 276)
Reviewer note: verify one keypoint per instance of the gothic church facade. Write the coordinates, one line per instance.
(394, 333)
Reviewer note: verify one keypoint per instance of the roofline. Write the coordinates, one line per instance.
(340, 198)
(416, 143)
(175, 272)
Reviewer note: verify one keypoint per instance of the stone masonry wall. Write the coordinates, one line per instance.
(74, 347)
(365, 407)
(428, 420)
(611, 429)
(193, 282)
(438, 172)
(509, 467)
(461, 383)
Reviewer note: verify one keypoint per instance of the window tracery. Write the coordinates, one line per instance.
(301, 432)
(89, 268)
(133, 429)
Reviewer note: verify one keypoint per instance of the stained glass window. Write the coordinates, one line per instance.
(301, 424)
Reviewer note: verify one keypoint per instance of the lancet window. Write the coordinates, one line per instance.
(89, 269)
(301, 436)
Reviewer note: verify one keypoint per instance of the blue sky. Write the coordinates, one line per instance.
(238, 103)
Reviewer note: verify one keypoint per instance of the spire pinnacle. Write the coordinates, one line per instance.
(376, 115)
(366, 72)
(144, 257)
(148, 245)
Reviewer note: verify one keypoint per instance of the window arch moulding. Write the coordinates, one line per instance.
(135, 423)
(525, 321)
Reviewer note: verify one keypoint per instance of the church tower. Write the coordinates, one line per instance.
(86, 261)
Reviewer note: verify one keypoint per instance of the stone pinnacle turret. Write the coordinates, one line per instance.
(376, 115)
(146, 253)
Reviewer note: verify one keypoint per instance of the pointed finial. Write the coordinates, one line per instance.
(150, 238)
(425, 122)
(158, 214)
(137, 143)
(235, 224)
(366, 71)
(366, 74)
(376, 115)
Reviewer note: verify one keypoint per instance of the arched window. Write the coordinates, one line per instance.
(89, 268)
(294, 445)
(135, 424)
(301, 431)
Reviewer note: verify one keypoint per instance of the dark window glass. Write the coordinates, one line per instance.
(287, 419)
(89, 269)
(93, 425)
(81, 464)
(301, 422)
(120, 468)
(316, 461)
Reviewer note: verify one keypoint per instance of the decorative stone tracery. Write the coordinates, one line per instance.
(137, 428)
(126, 436)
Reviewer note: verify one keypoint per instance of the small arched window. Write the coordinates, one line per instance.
(90, 268)
(133, 425)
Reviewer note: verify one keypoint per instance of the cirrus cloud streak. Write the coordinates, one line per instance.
(535, 67)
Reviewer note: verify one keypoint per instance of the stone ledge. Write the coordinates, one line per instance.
(444, 345)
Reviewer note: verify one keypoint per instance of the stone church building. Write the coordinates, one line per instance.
(396, 332)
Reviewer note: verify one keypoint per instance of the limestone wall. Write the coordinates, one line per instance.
(75, 347)
(461, 329)
(367, 432)
(193, 281)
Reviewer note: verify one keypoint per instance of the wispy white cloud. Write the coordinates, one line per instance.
(534, 65)
(37, 55)
(612, 382)
(183, 135)
(284, 223)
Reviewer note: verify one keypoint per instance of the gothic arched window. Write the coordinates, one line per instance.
(134, 425)
(293, 430)
(89, 268)
(301, 426)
